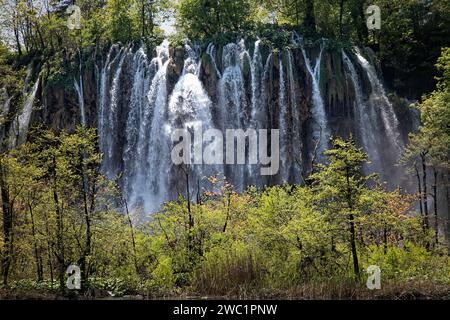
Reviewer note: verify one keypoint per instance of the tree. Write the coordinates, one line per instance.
(412, 35)
(14, 179)
(429, 146)
(310, 16)
(206, 18)
(121, 25)
(340, 186)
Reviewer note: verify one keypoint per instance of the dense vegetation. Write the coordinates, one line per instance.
(271, 242)
(409, 41)
(311, 240)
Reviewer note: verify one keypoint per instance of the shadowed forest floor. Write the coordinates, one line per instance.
(391, 291)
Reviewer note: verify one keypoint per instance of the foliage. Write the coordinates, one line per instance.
(427, 152)
(205, 18)
(58, 209)
(273, 240)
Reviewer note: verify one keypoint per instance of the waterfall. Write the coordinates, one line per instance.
(382, 115)
(137, 122)
(27, 79)
(232, 102)
(365, 116)
(380, 101)
(190, 108)
(108, 113)
(283, 126)
(79, 88)
(231, 87)
(211, 51)
(103, 105)
(296, 125)
(256, 70)
(158, 143)
(264, 106)
(6, 106)
(321, 131)
(19, 128)
(133, 88)
(146, 166)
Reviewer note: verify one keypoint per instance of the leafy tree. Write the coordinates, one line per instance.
(429, 146)
(411, 37)
(206, 18)
(340, 187)
(121, 26)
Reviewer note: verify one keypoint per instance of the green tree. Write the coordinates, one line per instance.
(120, 23)
(429, 146)
(340, 187)
(206, 18)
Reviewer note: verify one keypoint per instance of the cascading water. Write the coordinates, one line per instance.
(108, 109)
(285, 164)
(211, 51)
(382, 108)
(321, 131)
(6, 106)
(379, 100)
(262, 110)
(256, 70)
(158, 144)
(103, 96)
(137, 124)
(368, 130)
(231, 87)
(190, 108)
(296, 125)
(232, 102)
(248, 97)
(79, 88)
(146, 166)
(19, 128)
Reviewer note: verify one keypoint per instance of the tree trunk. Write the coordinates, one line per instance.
(352, 225)
(419, 185)
(341, 13)
(37, 256)
(435, 206)
(385, 239)
(363, 33)
(59, 232)
(447, 187)
(353, 245)
(310, 18)
(89, 206)
(16, 36)
(87, 247)
(133, 240)
(151, 23)
(190, 238)
(143, 31)
(49, 249)
(7, 226)
(224, 229)
(59, 242)
(425, 193)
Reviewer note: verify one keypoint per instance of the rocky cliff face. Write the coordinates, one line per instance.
(136, 96)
